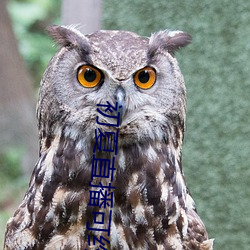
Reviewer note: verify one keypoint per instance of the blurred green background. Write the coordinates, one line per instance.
(216, 68)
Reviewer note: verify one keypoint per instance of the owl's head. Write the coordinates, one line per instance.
(139, 73)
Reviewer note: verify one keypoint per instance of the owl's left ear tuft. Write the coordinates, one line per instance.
(68, 36)
(168, 40)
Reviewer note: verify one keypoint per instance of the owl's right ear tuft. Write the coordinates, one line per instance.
(68, 36)
(168, 40)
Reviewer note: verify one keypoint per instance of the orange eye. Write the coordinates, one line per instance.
(89, 76)
(145, 78)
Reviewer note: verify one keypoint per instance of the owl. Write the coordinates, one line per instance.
(111, 119)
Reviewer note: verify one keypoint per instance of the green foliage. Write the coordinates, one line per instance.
(10, 165)
(30, 19)
(216, 69)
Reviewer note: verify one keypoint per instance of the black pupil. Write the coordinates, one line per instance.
(89, 75)
(144, 76)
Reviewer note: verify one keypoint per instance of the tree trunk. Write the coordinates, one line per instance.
(85, 13)
(17, 109)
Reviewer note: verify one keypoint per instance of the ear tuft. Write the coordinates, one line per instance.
(168, 40)
(68, 36)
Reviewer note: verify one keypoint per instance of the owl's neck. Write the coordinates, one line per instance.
(151, 168)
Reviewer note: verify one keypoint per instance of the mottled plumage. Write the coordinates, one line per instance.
(152, 208)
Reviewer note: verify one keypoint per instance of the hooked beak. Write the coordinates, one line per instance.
(120, 99)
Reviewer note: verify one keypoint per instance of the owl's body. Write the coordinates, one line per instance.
(150, 207)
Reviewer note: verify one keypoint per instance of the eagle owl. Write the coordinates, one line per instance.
(111, 118)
